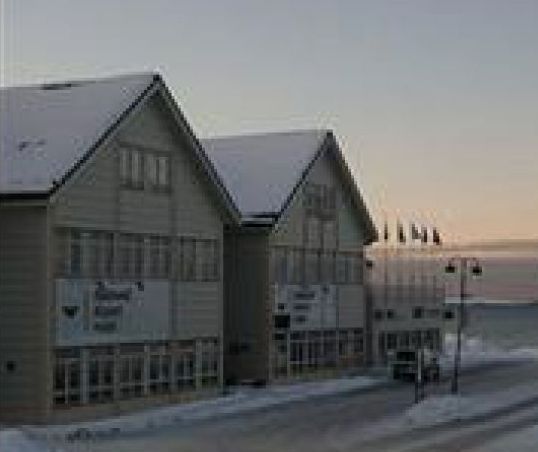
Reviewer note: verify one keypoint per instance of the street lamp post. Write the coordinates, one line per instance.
(466, 265)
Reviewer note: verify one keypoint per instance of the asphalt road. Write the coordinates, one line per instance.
(334, 423)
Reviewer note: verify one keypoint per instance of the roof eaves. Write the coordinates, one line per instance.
(16, 196)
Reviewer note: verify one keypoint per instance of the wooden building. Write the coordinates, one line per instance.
(296, 303)
(111, 237)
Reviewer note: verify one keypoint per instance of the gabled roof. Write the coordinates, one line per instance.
(47, 131)
(260, 171)
(263, 172)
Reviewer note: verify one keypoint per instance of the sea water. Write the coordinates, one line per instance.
(502, 308)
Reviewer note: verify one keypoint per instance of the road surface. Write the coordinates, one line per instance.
(335, 423)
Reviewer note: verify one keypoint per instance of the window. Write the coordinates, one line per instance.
(320, 200)
(101, 374)
(358, 341)
(295, 266)
(108, 252)
(341, 268)
(84, 253)
(209, 260)
(327, 267)
(144, 170)
(355, 262)
(280, 268)
(75, 253)
(125, 259)
(329, 231)
(125, 166)
(188, 259)
(159, 370)
(131, 256)
(313, 232)
(392, 341)
(209, 362)
(418, 312)
(404, 340)
(312, 268)
(329, 199)
(163, 172)
(67, 373)
(184, 366)
(151, 171)
(138, 251)
(94, 253)
(136, 180)
(131, 368)
(159, 257)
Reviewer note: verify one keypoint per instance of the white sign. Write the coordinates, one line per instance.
(310, 307)
(95, 312)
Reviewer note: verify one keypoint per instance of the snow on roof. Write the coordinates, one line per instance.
(45, 130)
(260, 171)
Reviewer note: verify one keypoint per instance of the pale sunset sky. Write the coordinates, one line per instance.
(434, 102)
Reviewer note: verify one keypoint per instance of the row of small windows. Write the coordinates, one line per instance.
(417, 312)
(103, 254)
(304, 352)
(391, 340)
(134, 371)
(293, 265)
(144, 170)
(319, 199)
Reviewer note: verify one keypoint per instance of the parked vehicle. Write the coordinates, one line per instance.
(410, 364)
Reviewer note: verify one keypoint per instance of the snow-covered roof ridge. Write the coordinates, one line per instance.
(47, 129)
(261, 170)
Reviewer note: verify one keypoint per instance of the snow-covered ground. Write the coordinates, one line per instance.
(445, 409)
(475, 353)
(16, 440)
(525, 440)
(240, 401)
(435, 410)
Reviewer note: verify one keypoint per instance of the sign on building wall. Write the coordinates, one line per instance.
(309, 307)
(96, 312)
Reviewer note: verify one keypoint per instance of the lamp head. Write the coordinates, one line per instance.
(476, 270)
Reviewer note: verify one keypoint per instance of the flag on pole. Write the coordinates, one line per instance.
(436, 237)
(415, 235)
(424, 237)
(401, 234)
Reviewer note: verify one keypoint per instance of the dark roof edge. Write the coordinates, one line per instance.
(366, 219)
(324, 143)
(212, 173)
(328, 141)
(23, 196)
